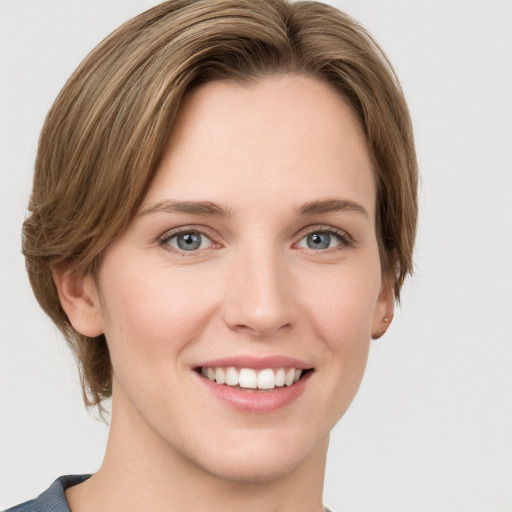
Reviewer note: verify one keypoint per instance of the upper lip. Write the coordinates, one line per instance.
(257, 363)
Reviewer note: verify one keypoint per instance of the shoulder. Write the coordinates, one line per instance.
(53, 499)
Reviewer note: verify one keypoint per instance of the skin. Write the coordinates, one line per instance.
(255, 287)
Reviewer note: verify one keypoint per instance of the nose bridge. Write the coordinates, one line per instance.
(258, 295)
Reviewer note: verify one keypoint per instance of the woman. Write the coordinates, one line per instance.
(223, 214)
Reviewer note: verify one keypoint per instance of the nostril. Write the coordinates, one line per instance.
(260, 329)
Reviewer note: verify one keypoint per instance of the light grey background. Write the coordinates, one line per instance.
(431, 429)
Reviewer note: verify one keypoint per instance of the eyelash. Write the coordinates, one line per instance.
(342, 236)
(163, 240)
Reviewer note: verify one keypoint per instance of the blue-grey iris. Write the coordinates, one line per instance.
(189, 241)
(318, 240)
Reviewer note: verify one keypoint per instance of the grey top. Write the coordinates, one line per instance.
(54, 499)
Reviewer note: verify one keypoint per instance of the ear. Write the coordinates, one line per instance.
(79, 298)
(384, 309)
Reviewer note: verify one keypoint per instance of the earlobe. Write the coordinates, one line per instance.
(384, 311)
(79, 298)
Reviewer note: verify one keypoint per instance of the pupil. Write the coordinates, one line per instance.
(189, 241)
(319, 241)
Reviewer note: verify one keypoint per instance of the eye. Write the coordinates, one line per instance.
(189, 241)
(321, 240)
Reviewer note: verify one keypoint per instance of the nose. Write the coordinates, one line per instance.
(258, 295)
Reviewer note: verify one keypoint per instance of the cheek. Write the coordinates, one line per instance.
(342, 304)
(339, 306)
(152, 314)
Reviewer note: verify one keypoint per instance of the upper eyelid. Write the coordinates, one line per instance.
(170, 233)
(213, 235)
(324, 228)
(163, 241)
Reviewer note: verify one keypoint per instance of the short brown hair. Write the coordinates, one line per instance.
(106, 132)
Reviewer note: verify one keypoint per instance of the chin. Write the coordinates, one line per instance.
(263, 461)
(266, 469)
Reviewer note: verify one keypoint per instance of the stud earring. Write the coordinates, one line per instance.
(378, 334)
(381, 331)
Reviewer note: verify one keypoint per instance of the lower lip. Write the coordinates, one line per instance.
(254, 400)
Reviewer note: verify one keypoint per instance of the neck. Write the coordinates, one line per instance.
(141, 472)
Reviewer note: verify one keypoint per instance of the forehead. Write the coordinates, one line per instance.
(289, 137)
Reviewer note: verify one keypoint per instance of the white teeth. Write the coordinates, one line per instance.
(220, 376)
(290, 376)
(268, 378)
(231, 377)
(247, 378)
(280, 377)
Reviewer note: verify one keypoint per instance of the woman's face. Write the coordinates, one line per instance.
(254, 250)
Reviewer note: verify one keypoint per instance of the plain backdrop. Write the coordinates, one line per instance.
(431, 428)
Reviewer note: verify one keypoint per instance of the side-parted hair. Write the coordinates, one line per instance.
(107, 130)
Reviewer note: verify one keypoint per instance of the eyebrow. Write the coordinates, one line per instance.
(187, 207)
(209, 208)
(332, 206)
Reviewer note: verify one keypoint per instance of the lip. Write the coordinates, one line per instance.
(257, 363)
(253, 400)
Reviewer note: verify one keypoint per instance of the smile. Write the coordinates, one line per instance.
(255, 384)
(249, 378)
